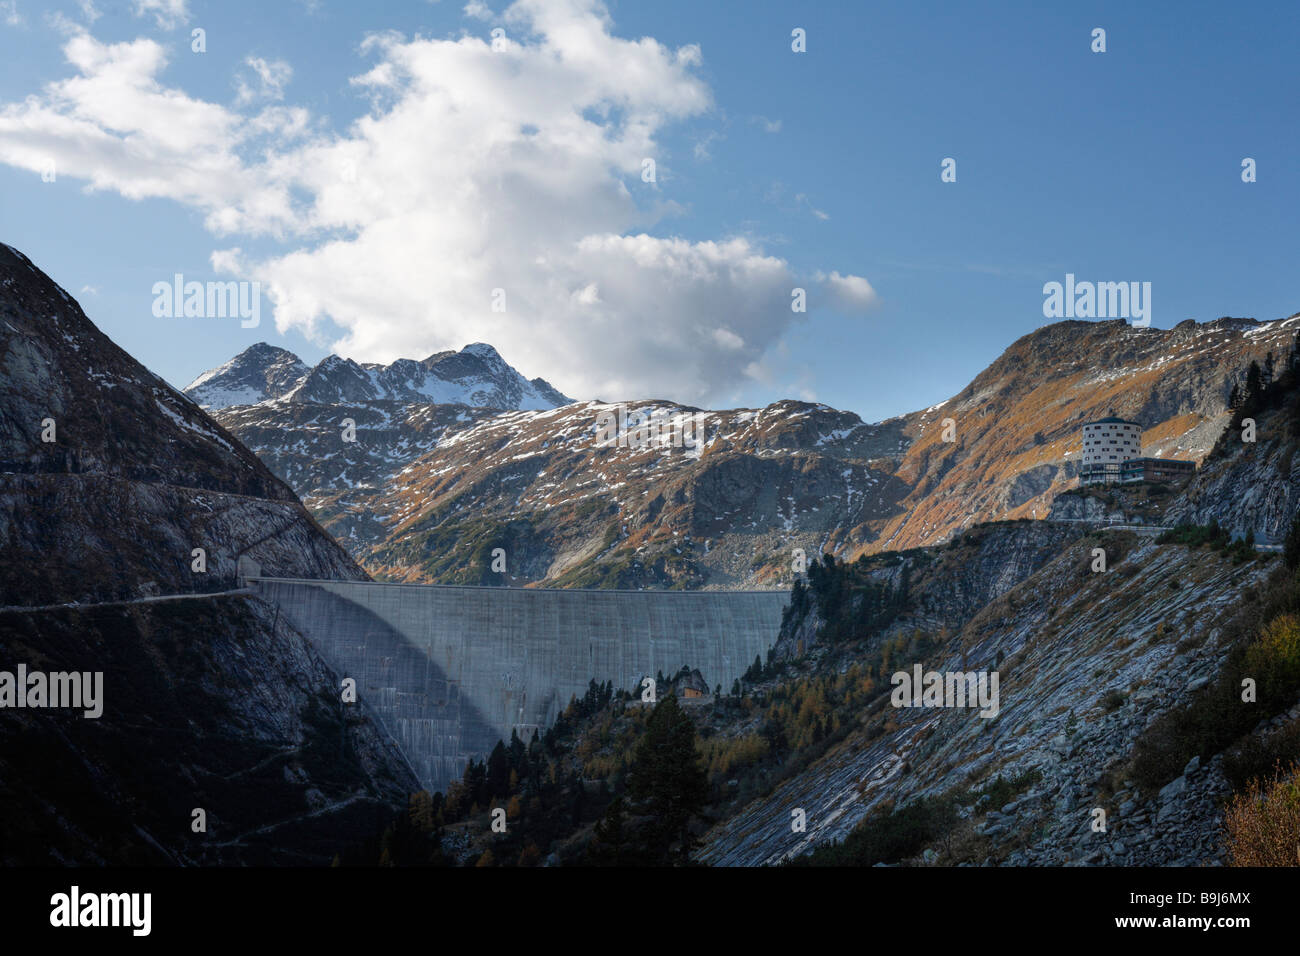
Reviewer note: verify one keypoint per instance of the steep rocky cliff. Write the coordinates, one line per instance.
(109, 482)
(110, 478)
(1251, 487)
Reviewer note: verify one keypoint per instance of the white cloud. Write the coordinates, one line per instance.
(473, 170)
(166, 13)
(848, 293)
(271, 77)
(587, 295)
(116, 126)
(728, 339)
(803, 200)
(704, 146)
(9, 11)
(479, 10)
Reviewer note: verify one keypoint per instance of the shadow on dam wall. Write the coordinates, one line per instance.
(422, 708)
(450, 670)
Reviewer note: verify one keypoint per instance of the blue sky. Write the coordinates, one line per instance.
(519, 169)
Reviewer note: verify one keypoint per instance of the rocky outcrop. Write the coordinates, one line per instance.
(1254, 490)
(1086, 507)
(948, 586)
(1248, 487)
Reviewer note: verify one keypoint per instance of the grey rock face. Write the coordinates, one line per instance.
(1064, 635)
(244, 722)
(137, 476)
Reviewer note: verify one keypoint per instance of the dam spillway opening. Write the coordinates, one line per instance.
(452, 669)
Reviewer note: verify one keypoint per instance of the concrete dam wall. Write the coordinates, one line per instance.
(451, 670)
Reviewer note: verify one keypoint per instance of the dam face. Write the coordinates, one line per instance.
(451, 670)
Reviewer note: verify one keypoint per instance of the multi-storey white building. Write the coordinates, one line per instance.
(1107, 444)
(1112, 453)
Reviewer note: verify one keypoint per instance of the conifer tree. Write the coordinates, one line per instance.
(610, 846)
(1291, 550)
(667, 779)
(498, 771)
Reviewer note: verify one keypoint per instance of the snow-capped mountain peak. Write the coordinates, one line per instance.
(259, 372)
(476, 376)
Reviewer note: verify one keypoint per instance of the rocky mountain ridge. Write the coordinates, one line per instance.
(427, 496)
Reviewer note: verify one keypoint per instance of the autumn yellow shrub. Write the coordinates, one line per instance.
(1274, 660)
(1263, 822)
